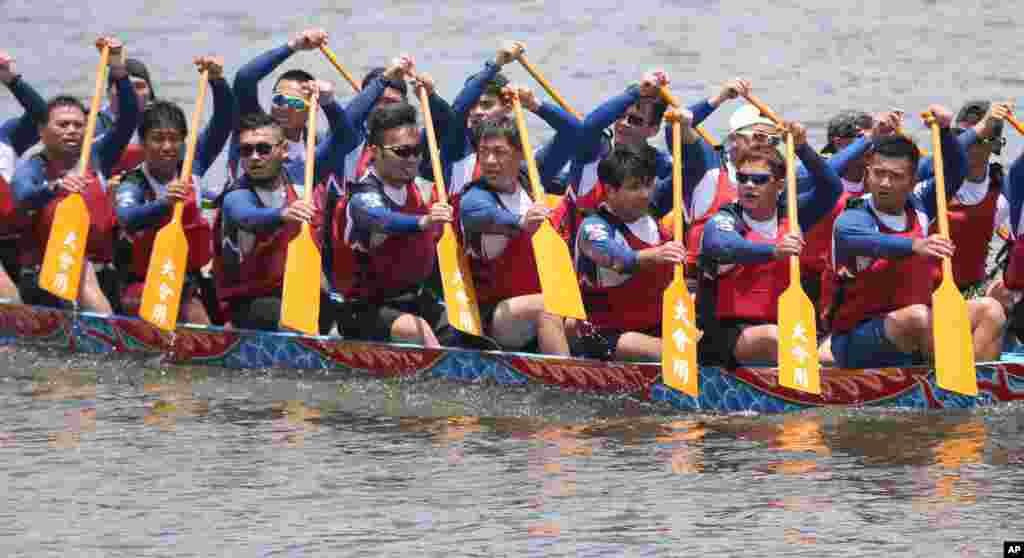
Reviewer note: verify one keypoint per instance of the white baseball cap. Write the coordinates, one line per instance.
(747, 116)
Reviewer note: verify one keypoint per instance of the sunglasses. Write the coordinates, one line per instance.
(755, 178)
(263, 148)
(288, 101)
(761, 137)
(634, 120)
(403, 151)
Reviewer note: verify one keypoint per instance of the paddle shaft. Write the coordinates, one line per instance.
(193, 138)
(767, 112)
(671, 100)
(307, 190)
(531, 164)
(677, 190)
(940, 188)
(435, 154)
(547, 86)
(337, 65)
(792, 215)
(1015, 123)
(94, 109)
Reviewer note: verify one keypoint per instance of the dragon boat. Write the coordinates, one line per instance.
(721, 390)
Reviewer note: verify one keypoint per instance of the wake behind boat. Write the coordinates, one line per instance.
(745, 389)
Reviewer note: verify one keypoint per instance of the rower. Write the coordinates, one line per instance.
(147, 194)
(385, 237)
(745, 251)
(142, 85)
(1009, 287)
(498, 217)
(624, 259)
(43, 180)
(289, 106)
(16, 136)
(979, 207)
(260, 213)
(880, 285)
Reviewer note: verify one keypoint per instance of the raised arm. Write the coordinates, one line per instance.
(826, 186)
(223, 121)
(954, 165)
(23, 132)
(107, 149)
(343, 139)
(247, 80)
(595, 123)
(1015, 193)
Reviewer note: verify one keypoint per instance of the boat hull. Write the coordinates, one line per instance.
(721, 390)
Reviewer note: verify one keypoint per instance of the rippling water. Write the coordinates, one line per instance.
(115, 457)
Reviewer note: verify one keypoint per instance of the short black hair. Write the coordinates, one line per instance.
(301, 76)
(388, 117)
(501, 128)
(897, 147)
(493, 87)
(58, 102)
(257, 120)
(973, 111)
(625, 162)
(163, 114)
(378, 72)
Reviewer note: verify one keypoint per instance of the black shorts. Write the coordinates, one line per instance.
(601, 343)
(372, 321)
(718, 345)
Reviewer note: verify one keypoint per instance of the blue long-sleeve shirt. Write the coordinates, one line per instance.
(30, 187)
(369, 213)
(133, 211)
(341, 124)
(722, 241)
(1015, 194)
(600, 246)
(856, 232)
(242, 207)
(23, 132)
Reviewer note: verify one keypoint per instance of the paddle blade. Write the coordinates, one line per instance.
(65, 250)
(165, 277)
(457, 280)
(799, 368)
(300, 300)
(557, 276)
(679, 339)
(954, 345)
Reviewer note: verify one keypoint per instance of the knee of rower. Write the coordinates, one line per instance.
(913, 321)
(987, 311)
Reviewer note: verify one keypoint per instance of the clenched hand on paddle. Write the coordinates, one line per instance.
(951, 324)
(165, 276)
(558, 280)
(300, 298)
(64, 259)
(678, 317)
(456, 277)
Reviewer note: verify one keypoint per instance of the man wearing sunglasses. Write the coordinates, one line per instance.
(879, 287)
(384, 239)
(979, 207)
(16, 136)
(260, 213)
(745, 253)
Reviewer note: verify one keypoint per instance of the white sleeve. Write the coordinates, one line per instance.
(1002, 213)
(7, 161)
(703, 195)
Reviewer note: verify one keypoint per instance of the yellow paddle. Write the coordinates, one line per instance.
(674, 103)
(678, 317)
(554, 264)
(341, 69)
(456, 278)
(64, 258)
(767, 112)
(300, 299)
(1015, 123)
(165, 276)
(951, 325)
(547, 86)
(798, 331)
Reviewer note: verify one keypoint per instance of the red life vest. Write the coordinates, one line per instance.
(397, 264)
(12, 221)
(132, 156)
(512, 273)
(883, 286)
(260, 272)
(572, 210)
(817, 251)
(1013, 276)
(971, 228)
(725, 193)
(198, 231)
(619, 306)
(751, 292)
(102, 219)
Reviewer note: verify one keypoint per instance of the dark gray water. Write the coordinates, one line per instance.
(133, 458)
